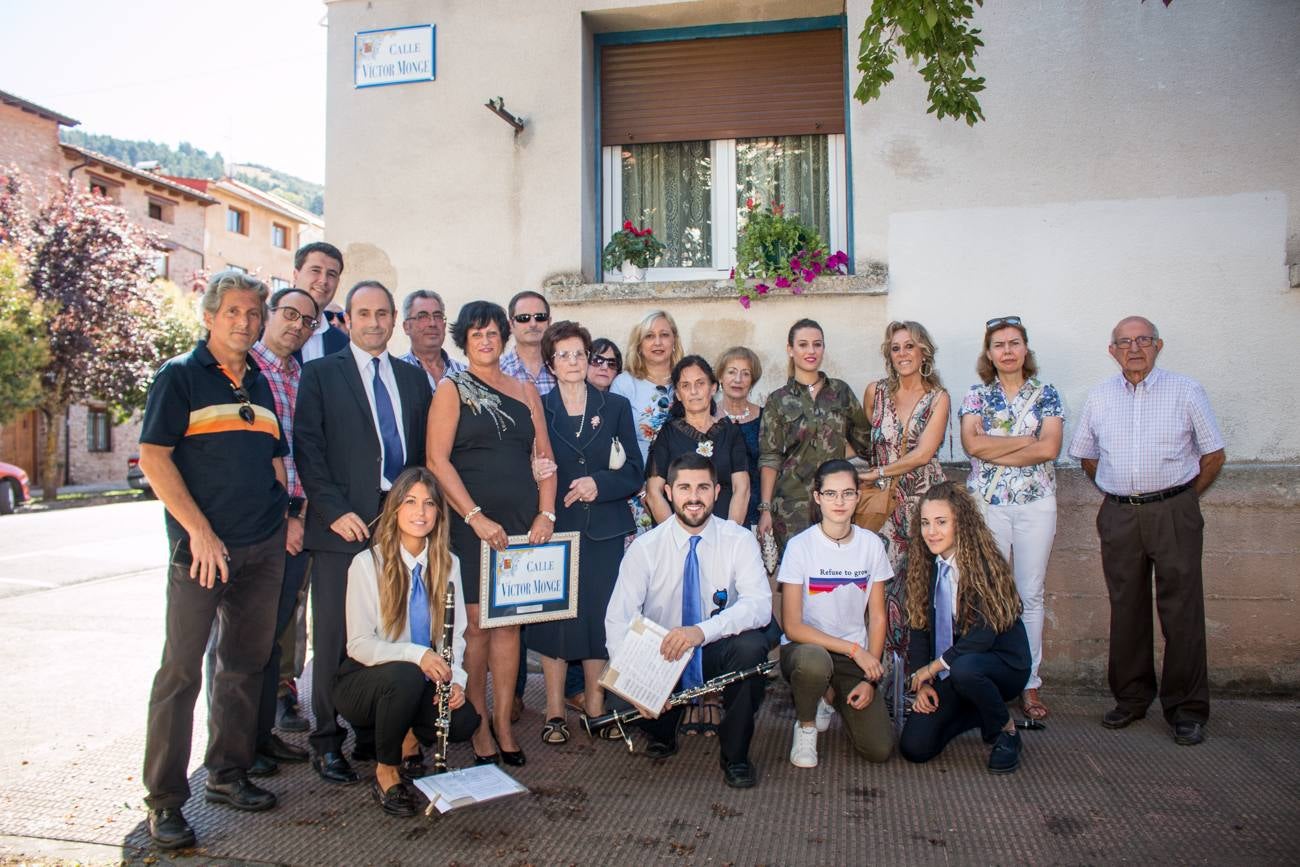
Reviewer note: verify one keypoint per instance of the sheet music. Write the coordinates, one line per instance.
(468, 786)
(639, 672)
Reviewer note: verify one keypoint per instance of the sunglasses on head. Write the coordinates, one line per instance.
(1001, 322)
(524, 318)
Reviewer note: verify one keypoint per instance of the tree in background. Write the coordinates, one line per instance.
(104, 325)
(23, 353)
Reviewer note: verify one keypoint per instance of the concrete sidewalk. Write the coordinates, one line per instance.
(1083, 794)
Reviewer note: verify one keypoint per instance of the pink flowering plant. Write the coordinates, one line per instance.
(778, 252)
(638, 246)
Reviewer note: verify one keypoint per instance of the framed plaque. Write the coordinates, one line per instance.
(528, 583)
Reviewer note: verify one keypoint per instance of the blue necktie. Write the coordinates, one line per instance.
(394, 460)
(694, 674)
(418, 610)
(943, 605)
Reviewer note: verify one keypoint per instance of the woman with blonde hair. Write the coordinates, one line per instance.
(909, 417)
(653, 348)
(739, 370)
(396, 635)
(969, 652)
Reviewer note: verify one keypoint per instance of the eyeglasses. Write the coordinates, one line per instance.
(424, 317)
(1001, 322)
(569, 355)
(334, 315)
(604, 361)
(292, 315)
(1142, 341)
(847, 495)
(525, 318)
(246, 410)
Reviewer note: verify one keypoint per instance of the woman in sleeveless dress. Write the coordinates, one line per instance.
(909, 417)
(483, 435)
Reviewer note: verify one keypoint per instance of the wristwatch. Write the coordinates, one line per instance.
(295, 507)
(550, 516)
(765, 506)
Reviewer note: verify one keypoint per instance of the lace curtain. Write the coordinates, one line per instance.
(793, 170)
(668, 187)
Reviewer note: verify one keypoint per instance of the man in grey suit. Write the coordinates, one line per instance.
(360, 421)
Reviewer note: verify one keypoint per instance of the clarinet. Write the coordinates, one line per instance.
(709, 687)
(444, 689)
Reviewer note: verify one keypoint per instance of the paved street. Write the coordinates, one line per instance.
(78, 659)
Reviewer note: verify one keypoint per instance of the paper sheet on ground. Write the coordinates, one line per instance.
(468, 786)
(639, 673)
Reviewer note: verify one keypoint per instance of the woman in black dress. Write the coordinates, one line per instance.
(482, 436)
(693, 427)
(598, 466)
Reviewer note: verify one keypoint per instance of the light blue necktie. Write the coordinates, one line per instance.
(943, 605)
(418, 610)
(394, 459)
(694, 674)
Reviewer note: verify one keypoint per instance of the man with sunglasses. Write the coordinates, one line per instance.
(316, 270)
(529, 315)
(424, 319)
(213, 448)
(1149, 440)
(702, 578)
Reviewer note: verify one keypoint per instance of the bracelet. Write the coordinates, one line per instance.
(549, 515)
(764, 506)
(472, 512)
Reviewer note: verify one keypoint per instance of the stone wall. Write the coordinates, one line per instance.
(87, 467)
(31, 142)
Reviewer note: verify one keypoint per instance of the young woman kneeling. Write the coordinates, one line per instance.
(395, 606)
(968, 652)
(841, 571)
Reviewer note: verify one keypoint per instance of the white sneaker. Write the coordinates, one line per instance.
(824, 714)
(803, 751)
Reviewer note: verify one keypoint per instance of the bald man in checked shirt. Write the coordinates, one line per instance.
(1148, 438)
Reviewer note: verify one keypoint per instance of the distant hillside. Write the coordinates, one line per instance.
(188, 161)
(302, 193)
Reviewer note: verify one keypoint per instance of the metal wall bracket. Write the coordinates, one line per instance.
(498, 107)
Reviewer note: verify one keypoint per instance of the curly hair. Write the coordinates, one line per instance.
(986, 584)
(928, 351)
(386, 549)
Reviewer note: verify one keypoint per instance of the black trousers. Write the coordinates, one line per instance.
(295, 569)
(244, 609)
(740, 701)
(329, 591)
(391, 699)
(1164, 538)
(974, 694)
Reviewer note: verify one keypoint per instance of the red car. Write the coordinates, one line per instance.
(13, 488)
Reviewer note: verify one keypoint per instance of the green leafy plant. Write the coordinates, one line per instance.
(638, 246)
(777, 251)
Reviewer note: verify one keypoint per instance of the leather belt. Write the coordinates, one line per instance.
(1144, 499)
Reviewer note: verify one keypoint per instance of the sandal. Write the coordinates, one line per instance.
(691, 724)
(1033, 708)
(712, 713)
(555, 731)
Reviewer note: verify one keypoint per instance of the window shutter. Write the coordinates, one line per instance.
(729, 87)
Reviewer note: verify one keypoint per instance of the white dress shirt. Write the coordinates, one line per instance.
(366, 367)
(1147, 437)
(314, 348)
(368, 642)
(650, 581)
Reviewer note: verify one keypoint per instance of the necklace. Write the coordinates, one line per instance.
(737, 418)
(841, 539)
(582, 414)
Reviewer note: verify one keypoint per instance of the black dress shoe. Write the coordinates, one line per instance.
(515, 758)
(413, 767)
(281, 750)
(333, 768)
(363, 752)
(738, 775)
(1005, 756)
(661, 749)
(396, 801)
(493, 759)
(263, 766)
(287, 718)
(240, 794)
(1117, 718)
(1189, 733)
(169, 830)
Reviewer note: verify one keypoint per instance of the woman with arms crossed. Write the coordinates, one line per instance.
(482, 436)
(839, 572)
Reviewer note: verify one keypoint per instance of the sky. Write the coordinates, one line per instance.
(243, 77)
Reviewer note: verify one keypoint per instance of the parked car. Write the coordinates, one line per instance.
(13, 488)
(135, 477)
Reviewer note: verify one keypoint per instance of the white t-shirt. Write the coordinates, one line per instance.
(835, 579)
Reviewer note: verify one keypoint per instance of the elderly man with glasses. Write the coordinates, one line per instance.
(424, 319)
(1149, 440)
(213, 448)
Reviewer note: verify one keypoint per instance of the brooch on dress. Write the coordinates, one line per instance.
(595, 422)
(705, 449)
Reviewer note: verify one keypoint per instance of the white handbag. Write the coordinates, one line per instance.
(617, 457)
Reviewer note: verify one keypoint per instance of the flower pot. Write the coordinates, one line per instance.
(631, 273)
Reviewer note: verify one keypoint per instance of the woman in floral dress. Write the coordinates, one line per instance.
(1011, 427)
(909, 417)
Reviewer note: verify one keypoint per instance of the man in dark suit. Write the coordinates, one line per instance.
(316, 271)
(360, 421)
